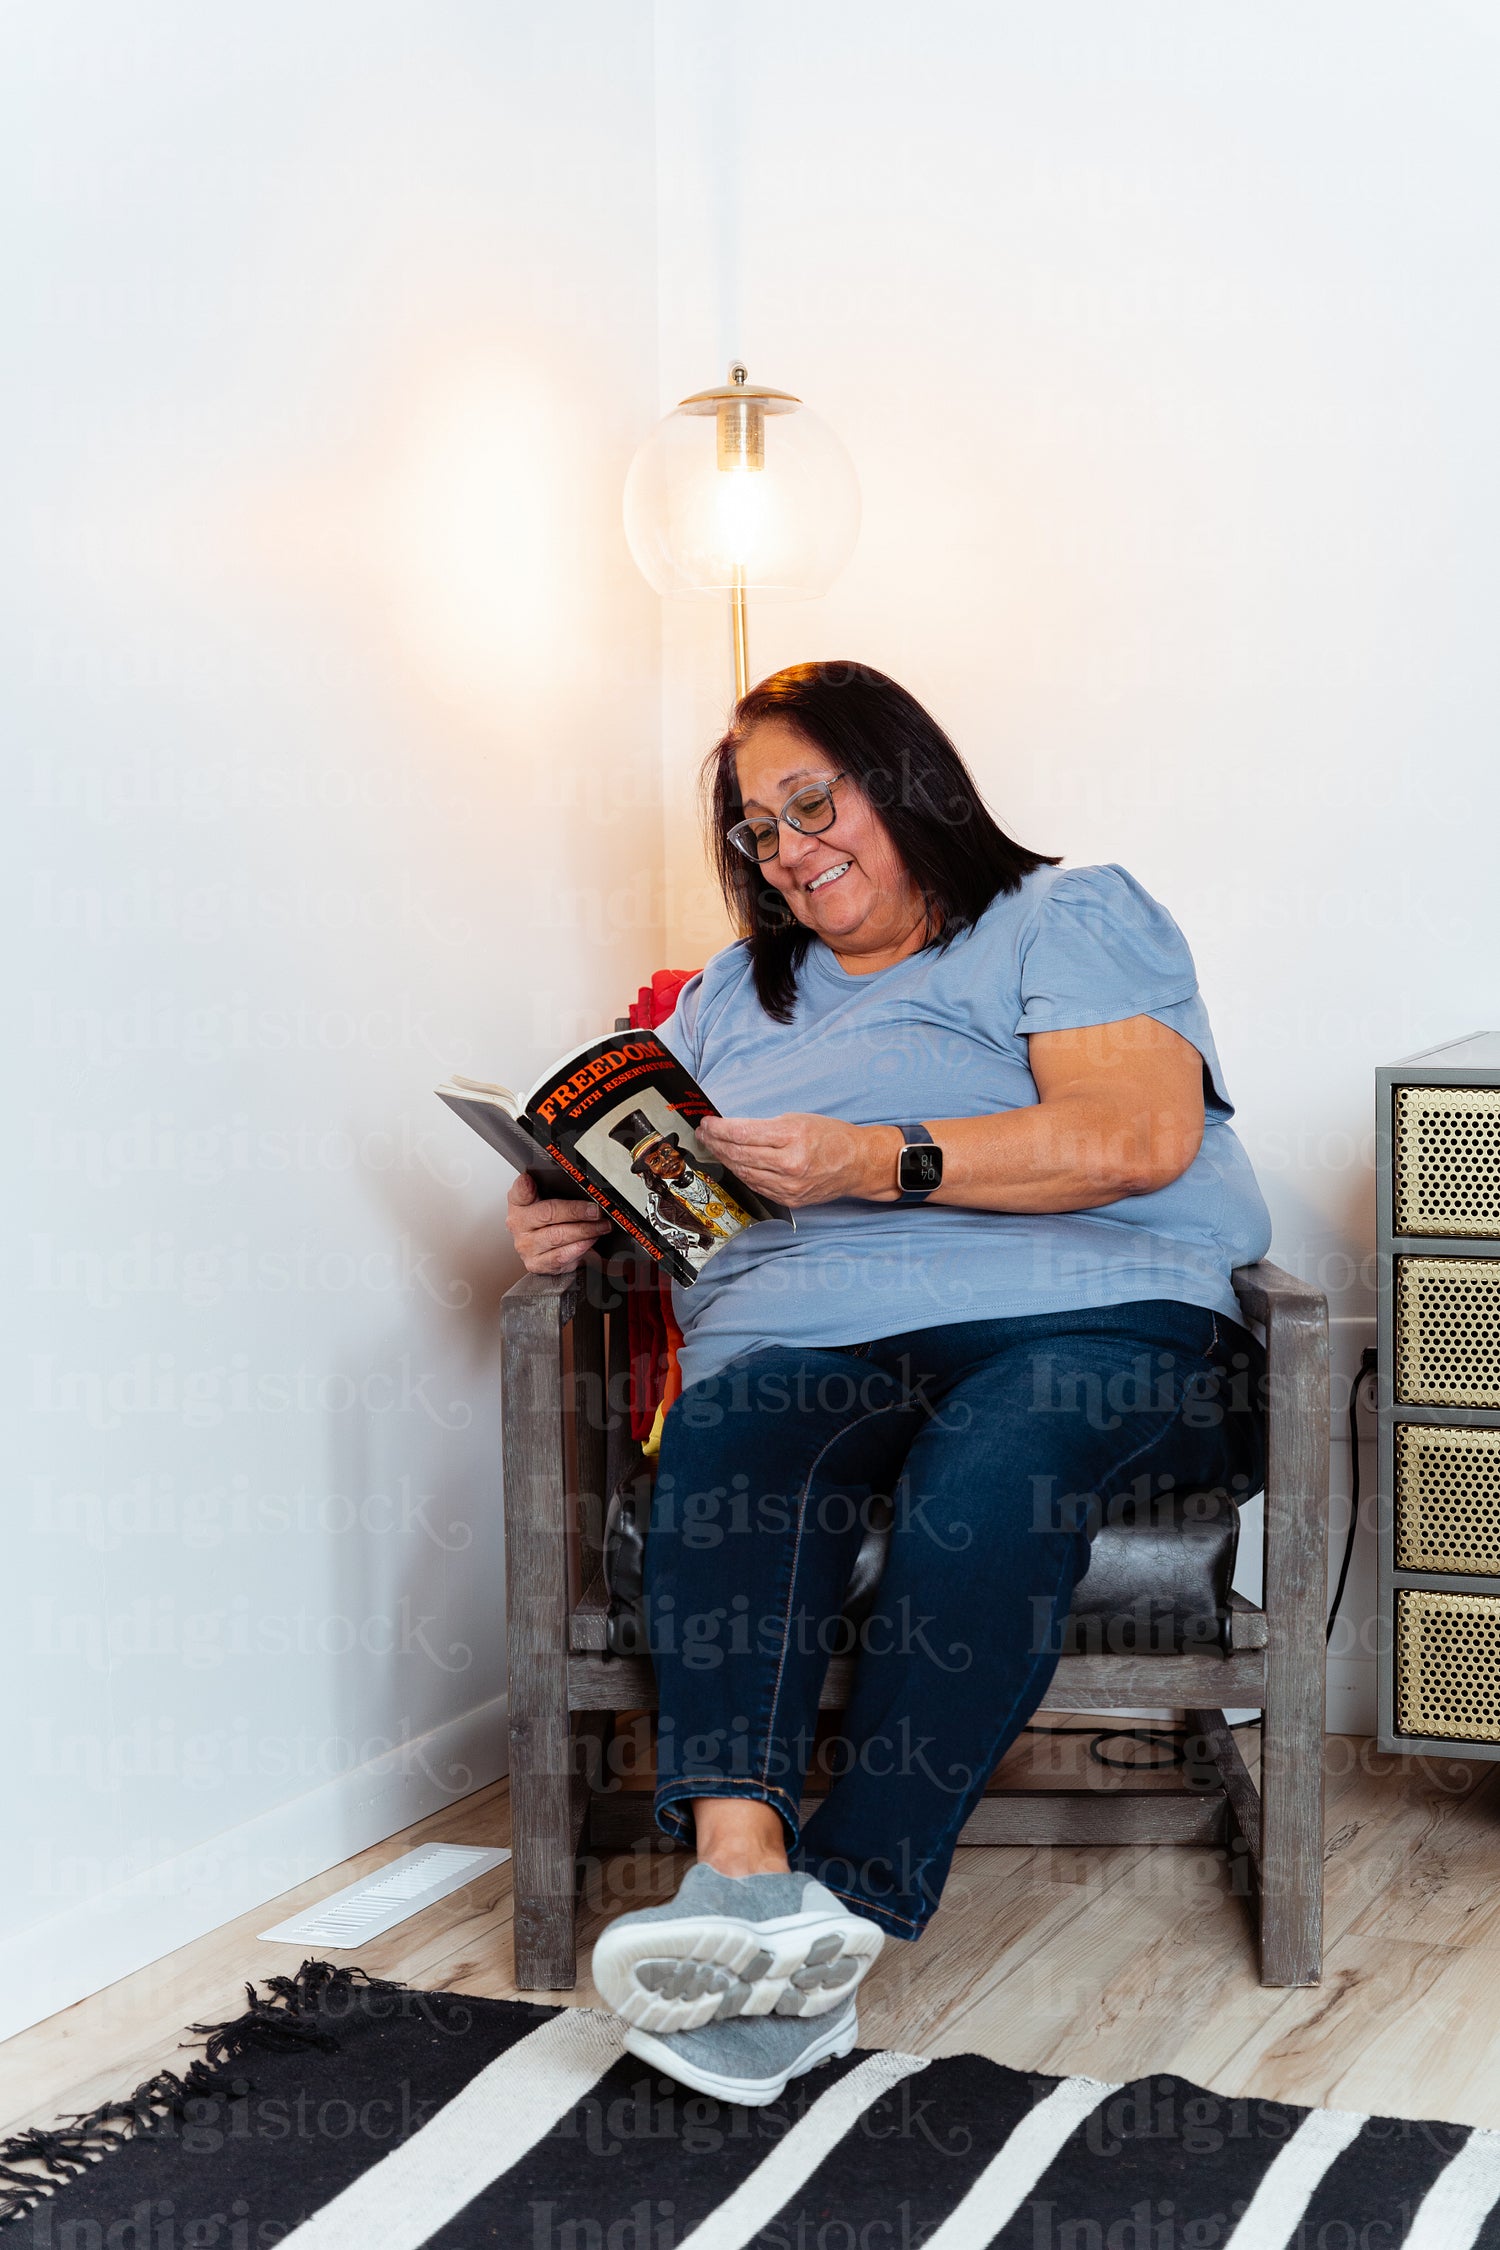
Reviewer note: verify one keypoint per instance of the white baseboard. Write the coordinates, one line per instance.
(105, 1937)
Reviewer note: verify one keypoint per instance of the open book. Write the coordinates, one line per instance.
(614, 1119)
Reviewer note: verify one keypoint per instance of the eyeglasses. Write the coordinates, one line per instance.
(809, 810)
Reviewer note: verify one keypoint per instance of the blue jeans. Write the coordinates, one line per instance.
(997, 1443)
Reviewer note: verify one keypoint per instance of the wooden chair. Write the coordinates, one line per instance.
(565, 1449)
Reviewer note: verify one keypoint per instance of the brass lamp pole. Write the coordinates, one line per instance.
(739, 619)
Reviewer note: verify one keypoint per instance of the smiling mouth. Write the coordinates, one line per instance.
(830, 875)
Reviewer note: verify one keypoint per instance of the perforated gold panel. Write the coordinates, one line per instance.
(1448, 1331)
(1448, 1666)
(1447, 1160)
(1448, 1500)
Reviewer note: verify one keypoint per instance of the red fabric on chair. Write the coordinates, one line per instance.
(655, 1001)
(649, 1349)
(655, 1337)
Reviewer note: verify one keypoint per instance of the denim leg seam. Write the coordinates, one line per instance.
(791, 1586)
(854, 1898)
(1020, 1696)
(941, 1842)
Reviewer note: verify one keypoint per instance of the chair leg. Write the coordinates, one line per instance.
(1214, 1761)
(1291, 1838)
(543, 1867)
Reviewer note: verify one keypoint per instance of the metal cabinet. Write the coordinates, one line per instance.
(1437, 1126)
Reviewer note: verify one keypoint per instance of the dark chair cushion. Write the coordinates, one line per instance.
(1157, 1581)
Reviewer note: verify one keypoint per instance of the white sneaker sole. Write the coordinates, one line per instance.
(753, 2093)
(678, 1976)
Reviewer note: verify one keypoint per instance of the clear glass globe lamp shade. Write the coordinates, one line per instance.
(742, 489)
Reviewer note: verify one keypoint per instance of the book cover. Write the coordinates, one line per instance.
(614, 1120)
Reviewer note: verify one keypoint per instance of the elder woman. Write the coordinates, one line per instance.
(988, 1088)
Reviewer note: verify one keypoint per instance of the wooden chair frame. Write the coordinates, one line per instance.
(565, 1444)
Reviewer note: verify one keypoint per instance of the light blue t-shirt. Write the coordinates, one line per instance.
(944, 1034)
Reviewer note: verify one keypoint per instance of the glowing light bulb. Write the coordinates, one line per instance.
(741, 510)
(742, 489)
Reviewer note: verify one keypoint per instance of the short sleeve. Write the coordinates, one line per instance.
(1101, 949)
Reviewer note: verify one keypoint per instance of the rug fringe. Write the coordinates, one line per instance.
(282, 2019)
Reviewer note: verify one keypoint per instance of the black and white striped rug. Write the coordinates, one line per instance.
(346, 2114)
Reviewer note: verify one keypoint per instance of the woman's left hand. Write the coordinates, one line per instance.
(798, 1160)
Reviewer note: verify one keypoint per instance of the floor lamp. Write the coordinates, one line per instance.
(738, 491)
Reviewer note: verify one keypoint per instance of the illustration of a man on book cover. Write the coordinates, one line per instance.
(682, 1199)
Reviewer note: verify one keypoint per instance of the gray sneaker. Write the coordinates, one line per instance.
(734, 1945)
(747, 2061)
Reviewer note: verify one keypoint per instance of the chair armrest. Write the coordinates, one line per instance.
(540, 1404)
(1266, 1291)
(543, 1303)
(1294, 1315)
(533, 1314)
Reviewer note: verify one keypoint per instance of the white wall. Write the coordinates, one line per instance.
(1164, 339)
(332, 720)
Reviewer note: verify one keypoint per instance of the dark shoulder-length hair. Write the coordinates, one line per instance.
(900, 758)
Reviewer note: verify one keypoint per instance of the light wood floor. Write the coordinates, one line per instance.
(1111, 1963)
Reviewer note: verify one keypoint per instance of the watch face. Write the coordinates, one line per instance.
(921, 1167)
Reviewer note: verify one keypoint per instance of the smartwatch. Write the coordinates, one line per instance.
(919, 1167)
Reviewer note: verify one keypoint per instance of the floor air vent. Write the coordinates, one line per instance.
(366, 1909)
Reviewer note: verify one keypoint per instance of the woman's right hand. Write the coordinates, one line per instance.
(555, 1236)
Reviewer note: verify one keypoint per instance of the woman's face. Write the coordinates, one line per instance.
(847, 884)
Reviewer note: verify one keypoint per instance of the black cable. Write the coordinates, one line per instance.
(1367, 1365)
(1175, 1737)
(1170, 1739)
(1158, 1738)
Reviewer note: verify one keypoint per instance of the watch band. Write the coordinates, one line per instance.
(917, 1141)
